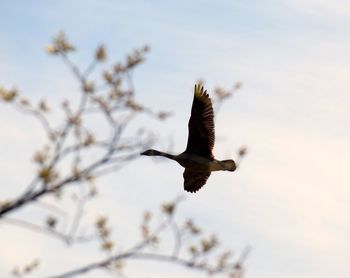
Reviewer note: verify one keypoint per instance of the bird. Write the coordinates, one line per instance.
(198, 159)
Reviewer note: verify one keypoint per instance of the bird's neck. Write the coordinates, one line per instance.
(158, 153)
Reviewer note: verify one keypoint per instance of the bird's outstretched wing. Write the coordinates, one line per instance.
(193, 181)
(201, 131)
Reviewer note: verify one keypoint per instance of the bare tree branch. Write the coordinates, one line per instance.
(69, 145)
(194, 262)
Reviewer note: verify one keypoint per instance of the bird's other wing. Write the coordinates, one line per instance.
(193, 181)
(201, 130)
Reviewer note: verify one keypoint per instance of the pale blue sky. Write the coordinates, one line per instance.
(289, 200)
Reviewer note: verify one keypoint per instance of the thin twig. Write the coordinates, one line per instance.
(46, 230)
(78, 215)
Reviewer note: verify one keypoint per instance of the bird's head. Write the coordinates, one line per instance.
(149, 152)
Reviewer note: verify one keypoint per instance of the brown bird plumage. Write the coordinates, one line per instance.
(201, 130)
(198, 159)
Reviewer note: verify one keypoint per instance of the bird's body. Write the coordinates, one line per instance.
(198, 159)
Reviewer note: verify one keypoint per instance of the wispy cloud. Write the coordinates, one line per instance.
(321, 7)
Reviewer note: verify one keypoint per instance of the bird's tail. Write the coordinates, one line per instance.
(229, 164)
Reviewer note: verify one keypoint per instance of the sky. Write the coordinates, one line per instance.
(289, 200)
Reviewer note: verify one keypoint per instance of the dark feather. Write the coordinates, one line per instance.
(201, 131)
(193, 181)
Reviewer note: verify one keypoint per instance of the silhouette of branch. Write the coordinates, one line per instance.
(73, 138)
(78, 214)
(74, 156)
(48, 231)
(199, 261)
(233, 270)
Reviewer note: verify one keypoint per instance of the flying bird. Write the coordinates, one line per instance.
(198, 159)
